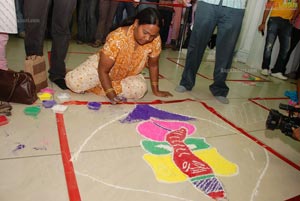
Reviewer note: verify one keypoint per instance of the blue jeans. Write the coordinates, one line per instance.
(20, 15)
(207, 18)
(282, 28)
(130, 10)
(147, 4)
(86, 20)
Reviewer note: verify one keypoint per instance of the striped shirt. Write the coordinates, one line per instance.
(239, 4)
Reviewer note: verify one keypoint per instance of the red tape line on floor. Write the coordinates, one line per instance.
(66, 158)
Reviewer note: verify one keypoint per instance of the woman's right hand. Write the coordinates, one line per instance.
(116, 99)
(163, 94)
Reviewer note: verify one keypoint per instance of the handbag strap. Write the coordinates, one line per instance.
(16, 78)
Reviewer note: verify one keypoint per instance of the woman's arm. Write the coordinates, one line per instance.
(154, 73)
(104, 67)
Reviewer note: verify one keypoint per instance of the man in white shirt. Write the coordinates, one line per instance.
(227, 16)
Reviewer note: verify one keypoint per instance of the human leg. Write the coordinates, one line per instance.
(164, 31)
(130, 9)
(81, 20)
(119, 12)
(295, 37)
(63, 10)
(35, 12)
(134, 87)
(91, 20)
(229, 27)
(110, 17)
(103, 9)
(284, 36)
(205, 19)
(272, 31)
(20, 17)
(3, 41)
(146, 4)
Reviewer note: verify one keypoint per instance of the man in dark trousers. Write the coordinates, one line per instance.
(36, 13)
(227, 16)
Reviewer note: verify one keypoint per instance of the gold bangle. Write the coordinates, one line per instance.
(109, 90)
(154, 83)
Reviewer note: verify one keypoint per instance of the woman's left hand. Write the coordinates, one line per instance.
(163, 94)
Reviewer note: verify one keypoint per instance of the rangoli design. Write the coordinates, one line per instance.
(175, 156)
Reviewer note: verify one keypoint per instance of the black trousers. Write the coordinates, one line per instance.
(87, 20)
(167, 16)
(295, 38)
(36, 13)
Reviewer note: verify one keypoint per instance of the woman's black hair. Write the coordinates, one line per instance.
(146, 16)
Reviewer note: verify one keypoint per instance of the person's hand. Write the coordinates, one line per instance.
(117, 99)
(261, 27)
(163, 94)
(296, 133)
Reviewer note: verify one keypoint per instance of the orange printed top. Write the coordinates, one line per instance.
(283, 8)
(120, 47)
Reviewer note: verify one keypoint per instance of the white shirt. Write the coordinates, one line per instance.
(8, 19)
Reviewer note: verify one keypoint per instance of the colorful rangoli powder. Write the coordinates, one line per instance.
(145, 112)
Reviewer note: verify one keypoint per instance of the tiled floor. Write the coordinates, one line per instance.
(109, 161)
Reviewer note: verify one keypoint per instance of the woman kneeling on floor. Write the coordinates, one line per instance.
(116, 70)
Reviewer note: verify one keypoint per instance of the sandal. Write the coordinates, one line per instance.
(5, 108)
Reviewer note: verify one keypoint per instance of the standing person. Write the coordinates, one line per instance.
(36, 12)
(86, 21)
(176, 23)
(147, 3)
(281, 13)
(128, 7)
(166, 13)
(8, 25)
(116, 70)
(296, 131)
(20, 18)
(227, 16)
(295, 37)
(107, 11)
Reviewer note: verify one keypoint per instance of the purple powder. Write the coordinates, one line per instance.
(145, 112)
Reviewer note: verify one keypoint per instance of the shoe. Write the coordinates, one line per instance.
(180, 89)
(61, 83)
(79, 42)
(21, 34)
(96, 44)
(264, 72)
(279, 76)
(222, 99)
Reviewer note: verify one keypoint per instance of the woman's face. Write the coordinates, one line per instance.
(145, 33)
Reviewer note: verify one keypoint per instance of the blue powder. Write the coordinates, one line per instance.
(145, 112)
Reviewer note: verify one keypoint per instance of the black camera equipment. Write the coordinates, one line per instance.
(277, 120)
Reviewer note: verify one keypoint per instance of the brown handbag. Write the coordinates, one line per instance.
(17, 87)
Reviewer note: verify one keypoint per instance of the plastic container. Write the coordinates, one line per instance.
(94, 105)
